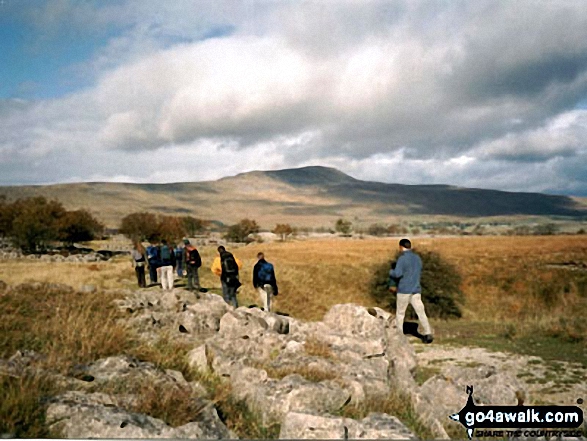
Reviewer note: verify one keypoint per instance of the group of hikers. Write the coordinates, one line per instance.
(404, 275)
(161, 260)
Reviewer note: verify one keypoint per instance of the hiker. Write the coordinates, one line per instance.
(264, 281)
(153, 260)
(167, 257)
(139, 258)
(179, 258)
(406, 273)
(226, 266)
(193, 262)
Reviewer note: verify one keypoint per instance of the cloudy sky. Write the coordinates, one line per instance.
(488, 94)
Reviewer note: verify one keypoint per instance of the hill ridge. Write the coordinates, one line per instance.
(305, 196)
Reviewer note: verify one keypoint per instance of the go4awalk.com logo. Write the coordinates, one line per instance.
(515, 418)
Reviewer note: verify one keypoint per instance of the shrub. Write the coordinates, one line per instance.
(35, 222)
(79, 226)
(193, 225)
(153, 228)
(377, 230)
(240, 232)
(283, 230)
(440, 282)
(343, 226)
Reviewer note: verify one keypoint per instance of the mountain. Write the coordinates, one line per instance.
(308, 196)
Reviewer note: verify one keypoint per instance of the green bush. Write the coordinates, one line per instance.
(441, 292)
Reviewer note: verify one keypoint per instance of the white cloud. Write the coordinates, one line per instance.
(452, 92)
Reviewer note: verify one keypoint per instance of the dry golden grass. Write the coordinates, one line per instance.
(116, 273)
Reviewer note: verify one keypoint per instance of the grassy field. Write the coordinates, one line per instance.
(522, 294)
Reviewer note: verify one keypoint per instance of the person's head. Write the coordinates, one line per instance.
(221, 249)
(405, 244)
(164, 242)
(186, 241)
(260, 256)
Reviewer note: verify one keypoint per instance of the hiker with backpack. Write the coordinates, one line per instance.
(226, 266)
(167, 257)
(153, 260)
(179, 259)
(406, 275)
(264, 281)
(193, 262)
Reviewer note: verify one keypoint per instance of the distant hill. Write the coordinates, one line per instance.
(308, 196)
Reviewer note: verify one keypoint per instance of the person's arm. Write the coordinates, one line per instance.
(398, 271)
(238, 262)
(255, 276)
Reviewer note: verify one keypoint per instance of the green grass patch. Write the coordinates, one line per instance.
(490, 335)
(424, 373)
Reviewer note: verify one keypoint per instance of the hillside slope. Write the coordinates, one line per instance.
(310, 196)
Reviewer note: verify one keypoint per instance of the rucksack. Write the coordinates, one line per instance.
(193, 257)
(165, 253)
(152, 252)
(229, 265)
(265, 272)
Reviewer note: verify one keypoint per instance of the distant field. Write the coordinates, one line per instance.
(527, 279)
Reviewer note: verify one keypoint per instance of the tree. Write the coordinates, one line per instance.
(78, 226)
(193, 225)
(377, 230)
(343, 226)
(35, 222)
(170, 228)
(545, 229)
(6, 217)
(140, 226)
(239, 232)
(283, 230)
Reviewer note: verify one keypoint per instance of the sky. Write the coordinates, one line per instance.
(483, 94)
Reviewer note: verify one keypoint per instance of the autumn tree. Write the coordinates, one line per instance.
(343, 226)
(283, 230)
(193, 226)
(377, 230)
(140, 226)
(35, 222)
(78, 226)
(239, 232)
(170, 228)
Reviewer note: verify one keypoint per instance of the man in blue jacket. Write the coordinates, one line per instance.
(407, 272)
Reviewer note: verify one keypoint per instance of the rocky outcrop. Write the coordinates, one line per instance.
(306, 377)
(97, 415)
(376, 426)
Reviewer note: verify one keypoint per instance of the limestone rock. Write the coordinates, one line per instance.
(375, 426)
(79, 415)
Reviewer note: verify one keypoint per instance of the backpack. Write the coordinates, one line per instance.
(193, 257)
(265, 272)
(165, 253)
(152, 252)
(229, 266)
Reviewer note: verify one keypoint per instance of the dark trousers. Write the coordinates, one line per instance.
(193, 278)
(153, 272)
(229, 294)
(140, 270)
